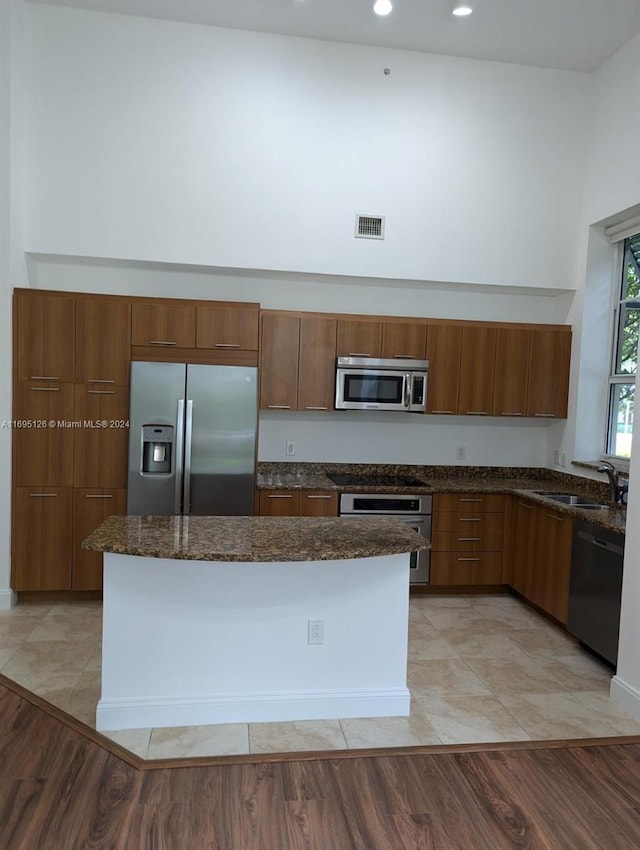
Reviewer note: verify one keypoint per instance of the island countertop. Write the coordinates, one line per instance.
(254, 539)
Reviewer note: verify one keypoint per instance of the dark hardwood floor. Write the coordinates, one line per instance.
(61, 789)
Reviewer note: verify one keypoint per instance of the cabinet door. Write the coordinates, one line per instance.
(523, 550)
(90, 509)
(103, 341)
(404, 340)
(228, 327)
(279, 362)
(45, 334)
(317, 364)
(318, 503)
(548, 386)
(102, 436)
(279, 503)
(477, 370)
(512, 371)
(163, 325)
(42, 552)
(43, 448)
(553, 561)
(359, 338)
(443, 354)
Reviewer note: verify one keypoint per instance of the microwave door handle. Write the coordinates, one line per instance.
(407, 390)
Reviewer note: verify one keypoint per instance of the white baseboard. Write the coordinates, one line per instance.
(8, 598)
(251, 708)
(626, 696)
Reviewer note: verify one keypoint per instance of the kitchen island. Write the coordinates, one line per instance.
(249, 619)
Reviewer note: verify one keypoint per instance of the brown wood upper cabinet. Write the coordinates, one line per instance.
(359, 338)
(228, 326)
(43, 452)
(45, 336)
(279, 350)
(101, 450)
(511, 372)
(443, 353)
(548, 387)
(163, 325)
(103, 341)
(316, 366)
(477, 369)
(404, 340)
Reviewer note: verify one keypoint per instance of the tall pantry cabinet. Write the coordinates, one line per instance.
(71, 375)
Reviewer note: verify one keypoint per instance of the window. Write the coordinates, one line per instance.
(622, 382)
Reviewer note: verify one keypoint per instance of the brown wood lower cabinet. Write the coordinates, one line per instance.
(541, 557)
(90, 509)
(42, 539)
(298, 503)
(467, 537)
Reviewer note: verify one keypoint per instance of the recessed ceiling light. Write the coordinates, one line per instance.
(461, 10)
(382, 7)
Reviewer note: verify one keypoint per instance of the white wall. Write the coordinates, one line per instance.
(160, 141)
(613, 185)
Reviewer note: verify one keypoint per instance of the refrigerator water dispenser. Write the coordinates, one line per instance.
(157, 449)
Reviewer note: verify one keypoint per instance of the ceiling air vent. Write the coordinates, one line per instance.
(369, 227)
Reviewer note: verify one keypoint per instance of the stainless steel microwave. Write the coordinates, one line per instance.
(369, 383)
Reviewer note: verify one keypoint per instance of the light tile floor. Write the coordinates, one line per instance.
(481, 669)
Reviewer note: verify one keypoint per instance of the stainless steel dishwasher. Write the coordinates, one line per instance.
(596, 588)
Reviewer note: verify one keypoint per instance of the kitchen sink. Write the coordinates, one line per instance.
(574, 501)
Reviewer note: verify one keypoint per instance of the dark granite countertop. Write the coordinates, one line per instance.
(526, 483)
(255, 539)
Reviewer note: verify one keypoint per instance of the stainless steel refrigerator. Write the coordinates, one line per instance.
(192, 439)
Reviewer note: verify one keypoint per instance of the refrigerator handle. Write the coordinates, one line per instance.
(188, 431)
(179, 459)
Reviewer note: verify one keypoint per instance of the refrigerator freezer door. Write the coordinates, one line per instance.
(156, 390)
(223, 439)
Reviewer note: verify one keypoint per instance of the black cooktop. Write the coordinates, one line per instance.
(355, 479)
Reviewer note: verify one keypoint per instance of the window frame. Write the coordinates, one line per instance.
(616, 378)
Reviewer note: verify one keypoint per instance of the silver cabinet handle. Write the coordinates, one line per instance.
(315, 407)
(442, 411)
(508, 413)
(100, 381)
(99, 496)
(317, 497)
(279, 406)
(546, 415)
(101, 392)
(281, 496)
(226, 345)
(45, 389)
(162, 342)
(467, 559)
(43, 378)
(468, 499)
(477, 413)
(42, 495)
(359, 354)
(469, 519)
(525, 505)
(557, 518)
(406, 356)
(469, 539)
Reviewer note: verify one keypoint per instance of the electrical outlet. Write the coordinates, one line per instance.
(315, 631)
(461, 452)
(290, 447)
(556, 457)
(563, 458)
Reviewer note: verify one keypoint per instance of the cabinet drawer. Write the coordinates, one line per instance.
(468, 504)
(279, 502)
(468, 525)
(318, 503)
(450, 568)
(467, 541)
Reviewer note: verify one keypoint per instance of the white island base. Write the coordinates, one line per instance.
(189, 642)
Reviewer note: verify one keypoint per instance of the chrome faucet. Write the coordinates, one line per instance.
(614, 480)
